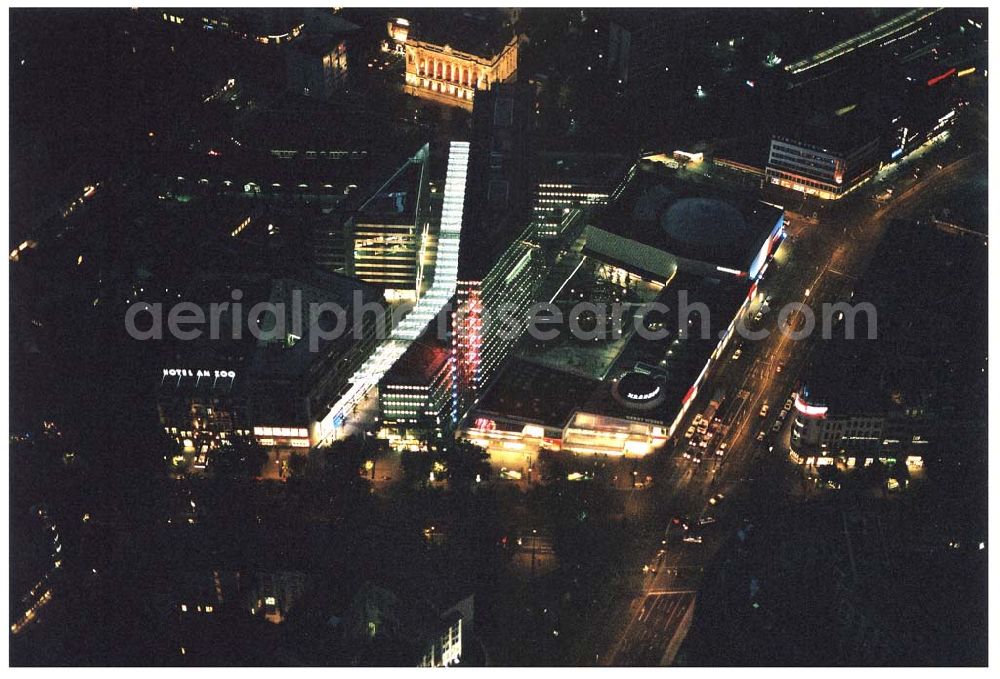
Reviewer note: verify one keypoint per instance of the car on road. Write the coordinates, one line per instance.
(693, 538)
(681, 522)
(716, 499)
(761, 435)
(763, 409)
(721, 450)
(759, 315)
(777, 426)
(690, 432)
(737, 353)
(788, 405)
(706, 520)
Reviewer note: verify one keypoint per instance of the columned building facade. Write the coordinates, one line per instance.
(449, 76)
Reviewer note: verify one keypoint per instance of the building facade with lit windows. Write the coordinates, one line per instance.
(317, 66)
(625, 396)
(501, 263)
(272, 386)
(857, 436)
(450, 58)
(826, 158)
(911, 392)
(277, 27)
(446, 651)
(388, 237)
(385, 250)
(415, 394)
(489, 317)
(565, 181)
(441, 289)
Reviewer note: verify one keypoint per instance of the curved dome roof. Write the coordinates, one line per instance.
(638, 390)
(704, 222)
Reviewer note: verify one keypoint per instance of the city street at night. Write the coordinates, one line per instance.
(531, 337)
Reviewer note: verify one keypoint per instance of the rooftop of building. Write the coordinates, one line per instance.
(580, 169)
(422, 361)
(497, 192)
(284, 350)
(394, 201)
(481, 31)
(691, 221)
(928, 289)
(833, 130)
(673, 362)
(325, 22)
(317, 45)
(536, 394)
(549, 394)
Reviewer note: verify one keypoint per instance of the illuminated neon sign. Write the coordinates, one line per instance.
(808, 410)
(643, 397)
(184, 372)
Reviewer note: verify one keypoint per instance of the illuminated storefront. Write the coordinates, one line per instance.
(820, 437)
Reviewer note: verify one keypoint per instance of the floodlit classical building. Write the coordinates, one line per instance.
(447, 61)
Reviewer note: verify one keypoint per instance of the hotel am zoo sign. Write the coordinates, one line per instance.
(199, 374)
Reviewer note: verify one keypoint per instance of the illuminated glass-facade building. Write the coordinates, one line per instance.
(415, 394)
(500, 262)
(387, 237)
(825, 153)
(490, 316)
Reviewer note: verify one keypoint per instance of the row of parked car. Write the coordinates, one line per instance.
(780, 420)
